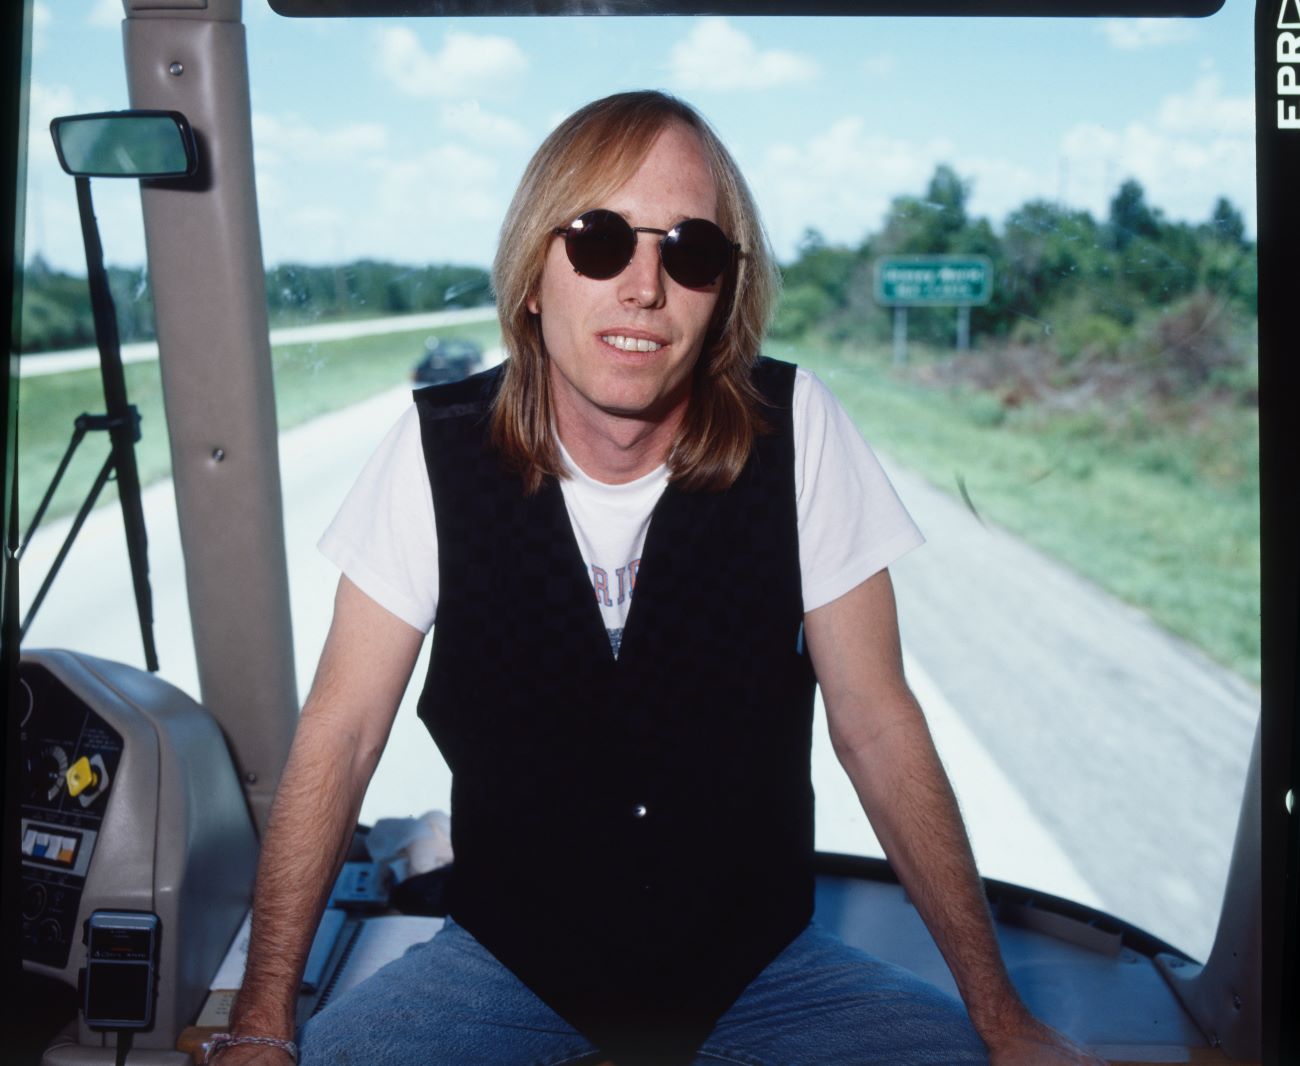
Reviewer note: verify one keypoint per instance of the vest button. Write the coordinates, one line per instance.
(640, 810)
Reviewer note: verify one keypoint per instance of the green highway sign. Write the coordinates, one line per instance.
(933, 280)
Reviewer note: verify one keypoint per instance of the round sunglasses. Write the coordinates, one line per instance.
(601, 243)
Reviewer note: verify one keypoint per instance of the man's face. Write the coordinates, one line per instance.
(593, 329)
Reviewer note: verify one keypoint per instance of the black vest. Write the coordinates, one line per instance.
(633, 836)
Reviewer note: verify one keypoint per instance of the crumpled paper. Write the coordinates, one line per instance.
(410, 846)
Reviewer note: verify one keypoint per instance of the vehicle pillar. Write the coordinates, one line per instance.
(205, 267)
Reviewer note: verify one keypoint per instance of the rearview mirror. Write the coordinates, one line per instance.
(125, 144)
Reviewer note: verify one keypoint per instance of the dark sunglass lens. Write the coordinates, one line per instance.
(696, 252)
(600, 244)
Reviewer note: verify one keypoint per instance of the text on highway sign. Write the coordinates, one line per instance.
(936, 280)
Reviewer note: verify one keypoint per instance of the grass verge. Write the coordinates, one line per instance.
(1163, 515)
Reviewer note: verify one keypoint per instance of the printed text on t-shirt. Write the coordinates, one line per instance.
(622, 586)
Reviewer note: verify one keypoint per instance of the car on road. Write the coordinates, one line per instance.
(447, 359)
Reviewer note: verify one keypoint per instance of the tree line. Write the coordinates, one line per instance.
(56, 310)
(1134, 286)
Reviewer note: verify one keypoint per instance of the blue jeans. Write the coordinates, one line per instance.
(449, 1001)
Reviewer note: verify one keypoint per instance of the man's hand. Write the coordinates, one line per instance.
(368, 658)
(1031, 1043)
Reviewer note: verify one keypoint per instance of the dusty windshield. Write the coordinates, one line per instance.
(1021, 253)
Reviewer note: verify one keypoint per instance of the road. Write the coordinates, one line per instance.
(35, 366)
(1095, 756)
(1129, 744)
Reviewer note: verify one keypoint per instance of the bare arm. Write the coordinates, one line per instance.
(363, 671)
(880, 736)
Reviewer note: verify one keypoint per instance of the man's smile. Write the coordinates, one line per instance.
(627, 343)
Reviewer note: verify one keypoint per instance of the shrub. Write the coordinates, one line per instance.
(1195, 343)
(1081, 334)
(801, 308)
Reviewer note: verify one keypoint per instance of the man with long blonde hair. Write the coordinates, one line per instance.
(632, 810)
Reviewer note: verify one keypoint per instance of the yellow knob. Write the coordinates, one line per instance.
(81, 776)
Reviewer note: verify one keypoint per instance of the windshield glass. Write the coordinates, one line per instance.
(1020, 252)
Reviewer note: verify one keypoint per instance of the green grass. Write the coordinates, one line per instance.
(314, 379)
(310, 380)
(1163, 514)
(47, 407)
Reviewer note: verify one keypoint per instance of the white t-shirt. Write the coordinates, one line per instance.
(851, 522)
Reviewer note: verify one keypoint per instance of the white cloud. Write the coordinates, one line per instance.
(443, 205)
(290, 141)
(466, 65)
(1181, 173)
(1188, 149)
(447, 175)
(468, 118)
(1197, 146)
(998, 186)
(1194, 147)
(879, 66)
(106, 13)
(357, 195)
(840, 181)
(1206, 110)
(52, 229)
(45, 103)
(1130, 35)
(716, 55)
(42, 20)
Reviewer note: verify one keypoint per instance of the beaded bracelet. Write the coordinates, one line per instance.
(221, 1041)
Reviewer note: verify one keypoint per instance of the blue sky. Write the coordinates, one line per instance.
(403, 140)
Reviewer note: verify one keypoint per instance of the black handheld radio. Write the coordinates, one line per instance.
(120, 982)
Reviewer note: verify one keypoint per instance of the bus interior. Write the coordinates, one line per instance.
(1135, 871)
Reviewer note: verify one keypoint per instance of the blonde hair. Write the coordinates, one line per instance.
(584, 160)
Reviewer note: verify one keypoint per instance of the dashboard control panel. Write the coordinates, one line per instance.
(69, 758)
